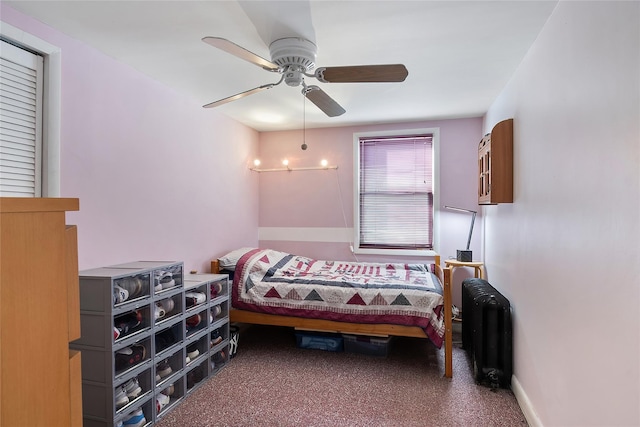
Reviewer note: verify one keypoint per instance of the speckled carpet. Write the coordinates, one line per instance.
(271, 382)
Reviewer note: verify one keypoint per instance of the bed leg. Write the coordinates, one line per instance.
(448, 331)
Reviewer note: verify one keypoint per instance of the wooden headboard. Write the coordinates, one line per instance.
(215, 266)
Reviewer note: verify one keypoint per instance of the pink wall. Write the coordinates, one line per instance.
(158, 177)
(310, 201)
(566, 252)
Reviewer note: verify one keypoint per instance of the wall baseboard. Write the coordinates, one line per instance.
(525, 404)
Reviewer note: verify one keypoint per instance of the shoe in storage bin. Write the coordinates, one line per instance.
(219, 324)
(102, 401)
(216, 338)
(219, 311)
(167, 369)
(196, 375)
(167, 396)
(217, 289)
(131, 323)
(166, 309)
(138, 417)
(194, 296)
(196, 350)
(168, 278)
(107, 290)
(130, 288)
(372, 346)
(103, 332)
(167, 339)
(104, 366)
(164, 281)
(196, 322)
(127, 358)
(217, 286)
(219, 358)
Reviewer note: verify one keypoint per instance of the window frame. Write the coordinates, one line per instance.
(51, 102)
(435, 132)
(22, 142)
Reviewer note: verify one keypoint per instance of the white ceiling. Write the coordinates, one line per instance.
(460, 54)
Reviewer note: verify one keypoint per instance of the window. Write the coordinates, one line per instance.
(395, 192)
(15, 151)
(20, 122)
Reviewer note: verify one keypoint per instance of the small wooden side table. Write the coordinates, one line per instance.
(478, 266)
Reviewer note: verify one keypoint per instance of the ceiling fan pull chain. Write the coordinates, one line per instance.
(304, 127)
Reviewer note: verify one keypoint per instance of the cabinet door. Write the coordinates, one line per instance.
(484, 168)
(35, 345)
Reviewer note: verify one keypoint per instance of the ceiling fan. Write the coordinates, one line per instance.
(294, 58)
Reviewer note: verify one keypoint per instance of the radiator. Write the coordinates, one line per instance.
(486, 332)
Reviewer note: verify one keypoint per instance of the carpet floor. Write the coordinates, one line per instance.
(271, 382)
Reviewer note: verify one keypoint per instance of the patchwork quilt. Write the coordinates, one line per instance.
(274, 282)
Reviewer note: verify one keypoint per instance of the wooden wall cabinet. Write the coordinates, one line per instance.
(495, 165)
(40, 377)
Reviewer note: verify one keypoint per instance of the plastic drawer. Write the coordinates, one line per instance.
(372, 346)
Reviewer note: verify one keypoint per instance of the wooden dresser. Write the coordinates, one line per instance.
(40, 377)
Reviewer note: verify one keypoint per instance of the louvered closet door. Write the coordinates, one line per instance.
(20, 122)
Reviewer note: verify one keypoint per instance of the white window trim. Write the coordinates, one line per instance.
(436, 193)
(52, 101)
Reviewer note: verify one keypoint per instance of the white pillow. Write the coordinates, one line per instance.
(229, 261)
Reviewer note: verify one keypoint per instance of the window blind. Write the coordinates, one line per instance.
(396, 192)
(20, 122)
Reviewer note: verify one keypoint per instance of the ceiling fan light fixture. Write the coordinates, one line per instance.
(293, 76)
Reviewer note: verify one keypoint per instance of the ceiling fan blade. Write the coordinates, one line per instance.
(323, 101)
(240, 52)
(239, 95)
(362, 74)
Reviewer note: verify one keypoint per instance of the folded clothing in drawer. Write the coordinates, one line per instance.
(319, 341)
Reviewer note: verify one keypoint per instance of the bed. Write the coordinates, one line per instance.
(270, 287)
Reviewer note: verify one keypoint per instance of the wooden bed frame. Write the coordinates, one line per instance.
(444, 274)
